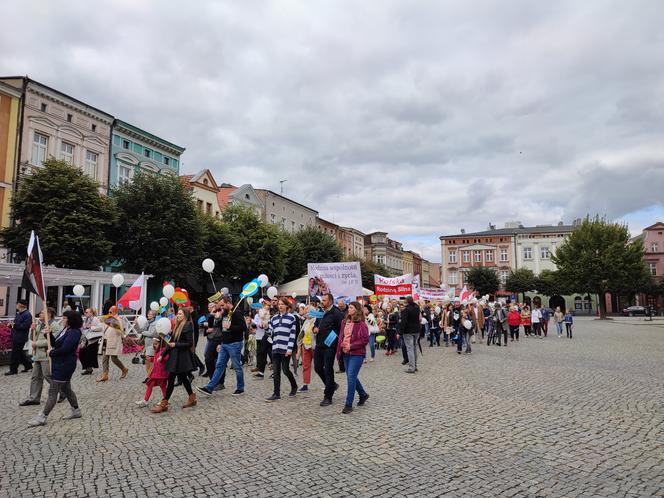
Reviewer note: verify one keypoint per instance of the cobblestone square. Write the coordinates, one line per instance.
(541, 417)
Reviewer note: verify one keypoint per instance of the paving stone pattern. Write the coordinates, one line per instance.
(542, 417)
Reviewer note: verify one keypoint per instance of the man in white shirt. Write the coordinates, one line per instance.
(536, 318)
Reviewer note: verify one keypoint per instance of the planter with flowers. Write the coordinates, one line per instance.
(5, 343)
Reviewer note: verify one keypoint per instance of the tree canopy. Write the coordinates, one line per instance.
(483, 279)
(550, 283)
(598, 257)
(310, 246)
(369, 269)
(64, 207)
(521, 280)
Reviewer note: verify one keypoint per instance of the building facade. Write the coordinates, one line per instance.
(425, 276)
(354, 242)
(134, 150)
(291, 216)
(535, 246)
(10, 113)
(244, 195)
(407, 261)
(56, 125)
(204, 190)
(653, 246)
(378, 247)
(332, 229)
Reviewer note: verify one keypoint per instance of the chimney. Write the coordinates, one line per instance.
(560, 223)
(463, 231)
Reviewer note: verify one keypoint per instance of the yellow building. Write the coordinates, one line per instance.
(10, 110)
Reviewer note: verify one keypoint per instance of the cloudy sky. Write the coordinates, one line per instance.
(416, 118)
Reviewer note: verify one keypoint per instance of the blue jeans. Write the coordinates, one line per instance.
(353, 364)
(234, 352)
(559, 328)
(372, 344)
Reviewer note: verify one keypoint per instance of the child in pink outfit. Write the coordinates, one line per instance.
(158, 375)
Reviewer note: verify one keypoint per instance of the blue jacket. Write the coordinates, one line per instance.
(22, 323)
(63, 355)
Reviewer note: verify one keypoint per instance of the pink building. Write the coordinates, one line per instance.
(653, 245)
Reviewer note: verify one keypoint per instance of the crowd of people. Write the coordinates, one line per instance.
(287, 335)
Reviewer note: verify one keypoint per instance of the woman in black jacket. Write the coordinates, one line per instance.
(180, 360)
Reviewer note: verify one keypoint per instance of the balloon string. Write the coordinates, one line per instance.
(213, 284)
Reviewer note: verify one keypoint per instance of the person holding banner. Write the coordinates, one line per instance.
(20, 330)
(410, 330)
(327, 333)
(41, 371)
(110, 346)
(62, 353)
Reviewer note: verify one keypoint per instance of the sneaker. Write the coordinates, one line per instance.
(274, 397)
(259, 375)
(254, 370)
(40, 419)
(238, 392)
(293, 393)
(326, 402)
(75, 413)
(347, 409)
(410, 371)
(371, 360)
(303, 389)
(363, 399)
(404, 362)
(204, 390)
(10, 373)
(141, 404)
(28, 402)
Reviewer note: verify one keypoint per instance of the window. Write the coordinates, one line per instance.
(208, 208)
(527, 253)
(69, 118)
(503, 255)
(283, 223)
(452, 280)
(503, 276)
(94, 127)
(200, 205)
(466, 256)
(301, 226)
(246, 196)
(478, 256)
(653, 247)
(125, 144)
(488, 255)
(653, 268)
(380, 259)
(544, 253)
(148, 153)
(67, 152)
(39, 149)
(91, 164)
(126, 172)
(292, 226)
(273, 219)
(167, 160)
(43, 108)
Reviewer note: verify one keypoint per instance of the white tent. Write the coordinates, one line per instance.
(301, 287)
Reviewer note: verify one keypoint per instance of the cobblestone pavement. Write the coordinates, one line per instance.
(549, 417)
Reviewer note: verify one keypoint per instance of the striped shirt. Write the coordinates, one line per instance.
(283, 330)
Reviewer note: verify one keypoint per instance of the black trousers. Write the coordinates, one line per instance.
(391, 339)
(263, 348)
(280, 364)
(514, 332)
(184, 380)
(324, 367)
(88, 356)
(500, 329)
(18, 357)
(210, 357)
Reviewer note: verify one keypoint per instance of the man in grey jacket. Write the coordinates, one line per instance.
(410, 329)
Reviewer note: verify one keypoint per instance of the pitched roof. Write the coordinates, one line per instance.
(654, 226)
(223, 194)
(514, 231)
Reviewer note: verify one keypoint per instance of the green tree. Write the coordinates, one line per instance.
(261, 248)
(549, 283)
(310, 245)
(158, 230)
(369, 269)
(483, 279)
(65, 209)
(598, 258)
(521, 280)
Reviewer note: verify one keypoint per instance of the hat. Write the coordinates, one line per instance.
(24, 302)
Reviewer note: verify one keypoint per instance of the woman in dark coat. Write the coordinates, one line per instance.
(62, 352)
(180, 359)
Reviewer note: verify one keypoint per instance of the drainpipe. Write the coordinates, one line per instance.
(17, 160)
(110, 151)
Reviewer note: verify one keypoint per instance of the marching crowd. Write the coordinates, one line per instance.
(287, 335)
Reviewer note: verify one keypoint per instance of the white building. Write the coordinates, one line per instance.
(536, 245)
(204, 189)
(291, 216)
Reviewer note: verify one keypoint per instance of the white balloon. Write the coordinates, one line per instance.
(154, 305)
(117, 280)
(263, 279)
(79, 290)
(468, 324)
(208, 265)
(272, 292)
(141, 322)
(163, 301)
(294, 295)
(163, 326)
(168, 291)
(224, 291)
(250, 300)
(437, 309)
